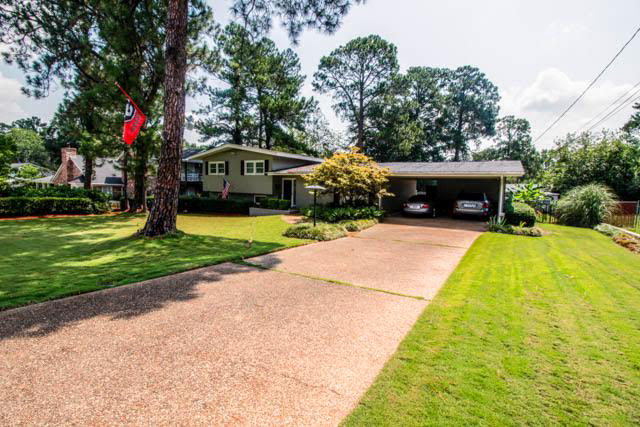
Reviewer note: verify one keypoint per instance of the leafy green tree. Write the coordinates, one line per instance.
(513, 141)
(357, 74)
(633, 125)
(29, 146)
(29, 172)
(611, 159)
(7, 155)
(471, 108)
(406, 122)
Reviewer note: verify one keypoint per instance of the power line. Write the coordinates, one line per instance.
(608, 106)
(588, 87)
(618, 109)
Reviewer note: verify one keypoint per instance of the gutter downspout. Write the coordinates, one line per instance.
(501, 199)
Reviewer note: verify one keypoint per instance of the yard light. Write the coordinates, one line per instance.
(315, 189)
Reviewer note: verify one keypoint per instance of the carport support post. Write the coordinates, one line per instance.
(501, 198)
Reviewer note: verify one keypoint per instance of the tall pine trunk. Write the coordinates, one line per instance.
(162, 219)
(88, 172)
(140, 168)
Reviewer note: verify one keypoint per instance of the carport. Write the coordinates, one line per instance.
(448, 179)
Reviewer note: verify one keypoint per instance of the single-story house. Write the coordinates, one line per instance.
(256, 172)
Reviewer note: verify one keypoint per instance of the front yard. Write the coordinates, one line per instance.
(50, 258)
(527, 331)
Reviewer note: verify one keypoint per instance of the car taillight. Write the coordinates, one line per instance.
(425, 206)
(405, 205)
(485, 205)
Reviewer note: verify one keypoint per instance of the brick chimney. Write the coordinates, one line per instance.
(67, 152)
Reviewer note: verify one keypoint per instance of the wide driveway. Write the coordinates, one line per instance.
(295, 343)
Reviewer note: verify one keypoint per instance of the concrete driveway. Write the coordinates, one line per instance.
(229, 344)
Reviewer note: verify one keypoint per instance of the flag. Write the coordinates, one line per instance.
(225, 189)
(134, 118)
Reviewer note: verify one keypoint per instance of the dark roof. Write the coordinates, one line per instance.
(229, 146)
(435, 169)
(105, 171)
(191, 152)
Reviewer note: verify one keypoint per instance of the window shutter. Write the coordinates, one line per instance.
(206, 168)
(226, 167)
(241, 167)
(266, 167)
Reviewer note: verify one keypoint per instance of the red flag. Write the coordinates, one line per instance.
(134, 118)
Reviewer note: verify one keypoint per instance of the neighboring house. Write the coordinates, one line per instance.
(255, 173)
(190, 173)
(15, 169)
(107, 177)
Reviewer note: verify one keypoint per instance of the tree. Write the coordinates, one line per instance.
(611, 159)
(317, 135)
(99, 42)
(352, 177)
(7, 155)
(29, 172)
(471, 108)
(28, 145)
(356, 74)
(513, 142)
(633, 125)
(406, 122)
(312, 13)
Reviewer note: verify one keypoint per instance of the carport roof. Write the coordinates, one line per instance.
(436, 169)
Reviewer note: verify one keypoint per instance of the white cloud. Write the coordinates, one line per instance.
(10, 94)
(552, 92)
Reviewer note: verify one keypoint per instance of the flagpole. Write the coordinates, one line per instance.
(128, 97)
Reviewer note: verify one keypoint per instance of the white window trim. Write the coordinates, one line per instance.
(254, 163)
(217, 169)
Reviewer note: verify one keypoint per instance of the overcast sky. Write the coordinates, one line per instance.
(541, 54)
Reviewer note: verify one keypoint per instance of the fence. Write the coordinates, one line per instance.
(627, 215)
(545, 211)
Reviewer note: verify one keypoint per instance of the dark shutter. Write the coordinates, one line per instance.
(206, 168)
(241, 167)
(226, 167)
(266, 167)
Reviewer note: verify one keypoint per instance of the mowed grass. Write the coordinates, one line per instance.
(50, 258)
(527, 331)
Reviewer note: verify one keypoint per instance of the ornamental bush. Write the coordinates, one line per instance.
(274, 203)
(586, 206)
(358, 224)
(320, 232)
(518, 213)
(213, 204)
(343, 213)
(25, 206)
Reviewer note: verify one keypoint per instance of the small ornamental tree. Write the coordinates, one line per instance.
(353, 178)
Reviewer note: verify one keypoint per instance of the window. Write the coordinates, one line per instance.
(254, 167)
(216, 168)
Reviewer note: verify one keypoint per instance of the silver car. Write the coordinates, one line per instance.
(469, 203)
(419, 205)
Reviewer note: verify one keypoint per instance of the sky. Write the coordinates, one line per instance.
(540, 55)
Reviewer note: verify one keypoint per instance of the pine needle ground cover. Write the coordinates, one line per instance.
(50, 258)
(527, 331)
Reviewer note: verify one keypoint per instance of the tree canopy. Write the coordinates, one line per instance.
(356, 74)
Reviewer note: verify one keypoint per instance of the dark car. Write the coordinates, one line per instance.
(420, 204)
(472, 203)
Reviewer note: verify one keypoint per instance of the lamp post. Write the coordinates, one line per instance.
(315, 189)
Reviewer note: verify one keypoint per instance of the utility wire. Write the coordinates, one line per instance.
(617, 110)
(588, 87)
(608, 106)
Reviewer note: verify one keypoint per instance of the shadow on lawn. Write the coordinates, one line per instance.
(119, 303)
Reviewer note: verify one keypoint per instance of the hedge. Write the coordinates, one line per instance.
(519, 213)
(344, 213)
(24, 206)
(320, 232)
(212, 204)
(273, 203)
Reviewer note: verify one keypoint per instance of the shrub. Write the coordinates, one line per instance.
(24, 206)
(358, 224)
(607, 230)
(586, 206)
(627, 241)
(499, 225)
(527, 231)
(519, 213)
(320, 232)
(211, 204)
(344, 213)
(273, 203)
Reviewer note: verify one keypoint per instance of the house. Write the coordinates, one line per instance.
(190, 173)
(107, 176)
(256, 172)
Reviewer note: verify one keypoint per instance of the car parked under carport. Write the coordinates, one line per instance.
(444, 181)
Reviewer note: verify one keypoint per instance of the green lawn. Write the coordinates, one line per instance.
(527, 331)
(49, 258)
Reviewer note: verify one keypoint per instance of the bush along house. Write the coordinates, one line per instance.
(255, 173)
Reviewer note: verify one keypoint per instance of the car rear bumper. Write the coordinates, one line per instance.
(417, 211)
(468, 211)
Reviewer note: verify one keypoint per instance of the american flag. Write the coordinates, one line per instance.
(225, 189)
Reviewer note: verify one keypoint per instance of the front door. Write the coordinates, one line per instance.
(289, 190)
